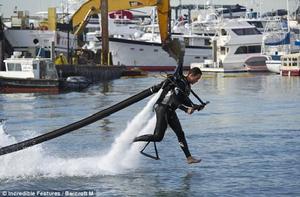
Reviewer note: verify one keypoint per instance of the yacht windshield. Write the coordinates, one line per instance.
(14, 67)
(247, 31)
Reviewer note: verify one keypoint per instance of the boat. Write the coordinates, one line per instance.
(290, 65)
(39, 34)
(149, 56)
(28, 75)
(273, 64)
(32, 40)
(74, 83)
(232, 11)
(236, 48)
(275, 43)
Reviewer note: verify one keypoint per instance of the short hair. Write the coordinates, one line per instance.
(195, 71)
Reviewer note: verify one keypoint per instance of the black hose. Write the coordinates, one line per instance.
(76, 125)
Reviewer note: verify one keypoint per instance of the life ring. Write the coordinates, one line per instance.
(44, 28)
(31, 25)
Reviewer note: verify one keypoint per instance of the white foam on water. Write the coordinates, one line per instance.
(18, 164)
(123, 155)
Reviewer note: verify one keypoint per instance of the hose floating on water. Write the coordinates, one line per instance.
(76, 125)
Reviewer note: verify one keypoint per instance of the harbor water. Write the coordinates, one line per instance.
(248, 138)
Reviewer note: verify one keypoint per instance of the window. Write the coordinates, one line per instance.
(51, 66)
(223, 32)
(254, 49)
(10, 66)
(238, 31)
(241, 50)
(34, 66)
(244, 32)
(257, 24)
(47, 54)
(248, 49)
(206, 42)
(14, 67)
(18, 67)
(186, 41)
(223, 50)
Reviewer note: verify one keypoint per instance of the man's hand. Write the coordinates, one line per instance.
(190, 110)
(198, 107)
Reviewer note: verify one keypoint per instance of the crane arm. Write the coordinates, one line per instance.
(91, 7)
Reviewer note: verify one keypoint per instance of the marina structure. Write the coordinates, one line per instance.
(290, 65)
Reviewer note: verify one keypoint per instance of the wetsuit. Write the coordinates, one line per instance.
(174, 95)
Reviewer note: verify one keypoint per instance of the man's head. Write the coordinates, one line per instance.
(194, 75)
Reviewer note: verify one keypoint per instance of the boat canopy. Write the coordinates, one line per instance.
(285, 40)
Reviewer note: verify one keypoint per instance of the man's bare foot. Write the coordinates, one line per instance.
(191, 160)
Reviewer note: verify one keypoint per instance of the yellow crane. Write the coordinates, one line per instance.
(91, 7)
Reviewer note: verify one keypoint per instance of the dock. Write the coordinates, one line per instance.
(93, 72)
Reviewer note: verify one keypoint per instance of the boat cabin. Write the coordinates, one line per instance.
(28, 68)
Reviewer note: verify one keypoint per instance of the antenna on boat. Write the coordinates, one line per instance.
(288, 21)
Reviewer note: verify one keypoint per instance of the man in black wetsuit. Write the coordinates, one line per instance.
(176, 90)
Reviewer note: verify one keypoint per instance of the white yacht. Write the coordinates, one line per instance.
(149, 55)
(40, 34)
(237, 48)
(32, 40)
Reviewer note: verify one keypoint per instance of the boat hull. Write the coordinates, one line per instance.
(292, 72)
(15, 85)
(256, 64)
(274, 66)
(226, 67)
(149, 56)
(74, 83)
